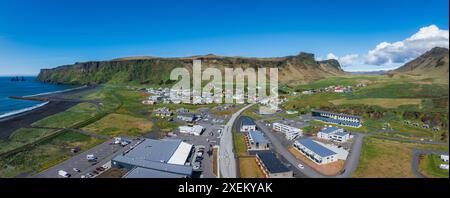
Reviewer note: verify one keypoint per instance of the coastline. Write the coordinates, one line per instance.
(11, 123)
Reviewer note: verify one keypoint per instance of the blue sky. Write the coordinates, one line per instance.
(53, 32)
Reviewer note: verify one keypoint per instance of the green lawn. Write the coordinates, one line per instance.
(45, 155)
(429, 166)
(119, 124)
(22, 137)
(388, 159)
(70, 117)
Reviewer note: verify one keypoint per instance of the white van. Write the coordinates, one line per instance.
(63, 174)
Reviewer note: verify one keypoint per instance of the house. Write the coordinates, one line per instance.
(163, 112)
(271, 166)
(333, 134)
(290, 132)
(196, 130)
(257, 141)
(247, 124)
(187, 117)
(444, 158)
(337, 118)
(156, 159)
(315, 151)
(339, 89)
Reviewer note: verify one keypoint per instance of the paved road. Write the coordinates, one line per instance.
(104, 152)
(416, 155)
(227, 160)
(281, 148)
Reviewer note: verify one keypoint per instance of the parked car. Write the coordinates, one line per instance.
(63, 173)
(76, 170)
(301, 166)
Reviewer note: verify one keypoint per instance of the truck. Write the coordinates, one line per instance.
(63, 174)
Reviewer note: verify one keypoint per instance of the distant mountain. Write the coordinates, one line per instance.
(301, 68)
(432, 64)
(379, 72)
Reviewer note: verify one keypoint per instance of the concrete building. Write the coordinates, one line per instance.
(337, 118)
(315, 151)
(163, 112)
(333, 134)
(257, 141)
(187, 117)
(271, 166)
(196, 130)
(247, 124)
(156, 159)
(290, 132)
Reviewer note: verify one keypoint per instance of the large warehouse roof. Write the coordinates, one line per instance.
(181, 154)
(150, 173)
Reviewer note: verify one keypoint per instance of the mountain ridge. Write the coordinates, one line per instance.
(300, 68)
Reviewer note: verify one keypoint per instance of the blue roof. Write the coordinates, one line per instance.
(316, 148)
(340, 122)
(341, 133)
(247, 121)
(258, 137)
(339, 114)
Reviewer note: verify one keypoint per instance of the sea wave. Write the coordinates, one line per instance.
(60, 91)
(22, 110)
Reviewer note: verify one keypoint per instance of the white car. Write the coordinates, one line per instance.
(76, 170)
(301, 166)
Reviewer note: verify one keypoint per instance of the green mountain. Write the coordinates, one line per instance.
(301, 68)
(432, 64)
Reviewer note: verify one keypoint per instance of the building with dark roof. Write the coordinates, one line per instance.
(271, 166)
(257, 141)
(337, 118)
(159, 157)
(315, 151)
(247, 124)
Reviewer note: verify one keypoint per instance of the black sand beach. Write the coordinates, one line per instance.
(10, 124)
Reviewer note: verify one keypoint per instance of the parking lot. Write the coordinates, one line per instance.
(209, 138)
(103, 153)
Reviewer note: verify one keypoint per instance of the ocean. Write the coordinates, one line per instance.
(23, 88)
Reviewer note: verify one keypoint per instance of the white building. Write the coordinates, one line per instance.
(290, 132)
(334, 134)
(444, 166)
(247, 124)
(196, 130)
(444, 158)
(315, 151)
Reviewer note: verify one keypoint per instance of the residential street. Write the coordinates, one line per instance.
(227, 160)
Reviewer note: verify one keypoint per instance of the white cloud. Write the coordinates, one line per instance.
(347, 60)
(425, 39)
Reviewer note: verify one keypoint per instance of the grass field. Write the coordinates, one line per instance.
(22, 137)
(388, 159)
(248, 168)
(119, 124)
(239, 144)
(45, 155)
(74, 115)
(429, 166)
(381, 102)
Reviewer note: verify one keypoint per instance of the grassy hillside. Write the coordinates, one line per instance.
(156, 71)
